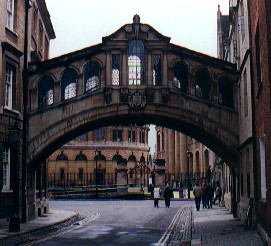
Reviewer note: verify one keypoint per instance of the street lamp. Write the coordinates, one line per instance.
(98, 157)
(15, 134)
(188, 154)
(142, 164)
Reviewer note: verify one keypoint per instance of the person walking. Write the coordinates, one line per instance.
(156, 195)
(197, 194)
(167, 195)
(209, 193)
(218, 194)
(203, 197)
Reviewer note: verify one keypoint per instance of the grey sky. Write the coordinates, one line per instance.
(82, 23)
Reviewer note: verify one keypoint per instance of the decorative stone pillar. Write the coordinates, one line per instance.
(108, 69)
(149, 68)
(160, 172)
(183, 157)
(80, 85)
(124, 68)
(177, 154)
(165, 77)
(166, 153)
(122, 177)
(57, 91)
(171, 152)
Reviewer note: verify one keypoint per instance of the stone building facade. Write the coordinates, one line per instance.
(74, 164)
(184, 158)
(260, 33)
(17, 48)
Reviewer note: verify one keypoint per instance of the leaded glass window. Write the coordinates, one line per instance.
(9, 85)
(157, 80)
(99, 134)
(203, 85)
(131, 136)
(46, 92)
(10, 14)
(180, 78)
(91, 77)
(68, 84)
(117, 135)
(115, 70)
(136, 62)
(6, 168)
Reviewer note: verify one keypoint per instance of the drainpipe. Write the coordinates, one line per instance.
(255, 171)
(25, 118)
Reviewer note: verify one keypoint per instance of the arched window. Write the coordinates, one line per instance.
(81, 157)
(46, 92)
(62, 157)
(180, 78)
(203, 85)
(68, 84)
(225, 92)
(136, 61)
(92, 77)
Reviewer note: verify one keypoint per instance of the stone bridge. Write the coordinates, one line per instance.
(135, 76)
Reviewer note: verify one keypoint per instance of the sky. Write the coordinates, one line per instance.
(82, 23)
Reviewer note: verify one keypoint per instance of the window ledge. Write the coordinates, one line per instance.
(12, 110)
(6, 190)
(12, 34)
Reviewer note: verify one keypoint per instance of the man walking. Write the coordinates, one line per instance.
(167, 195)
(156, 196)
(197, 194)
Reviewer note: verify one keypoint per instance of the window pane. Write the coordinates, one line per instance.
(70, 91)
(91, 77)
(136, 62)
(46, 92)
(8, 94)
(6, 168)
(115, 70)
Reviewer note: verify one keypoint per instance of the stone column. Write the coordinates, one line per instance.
(171, 151)
(57, 91)
(164, 76)
(124, 68)
(183, 157)
(122, 178)
(80, 85)
(166, 153)
(108, 69)
(149, 68)
(177, 154)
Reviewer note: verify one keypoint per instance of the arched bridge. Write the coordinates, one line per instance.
(134, 76)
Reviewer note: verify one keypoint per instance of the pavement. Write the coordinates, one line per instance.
(214, 226)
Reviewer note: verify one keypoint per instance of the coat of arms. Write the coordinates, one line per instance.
(137, 100)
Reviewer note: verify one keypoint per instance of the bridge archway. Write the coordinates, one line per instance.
(100, 86)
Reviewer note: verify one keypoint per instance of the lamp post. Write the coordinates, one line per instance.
(188, 154)
(15, 137)
(142, 164)
(98, 157)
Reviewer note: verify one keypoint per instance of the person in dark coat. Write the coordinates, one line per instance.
(167, 196)
(209, 194)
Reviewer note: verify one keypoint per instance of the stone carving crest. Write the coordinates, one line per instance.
(137, 100)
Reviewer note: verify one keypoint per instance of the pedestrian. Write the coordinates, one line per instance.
(218, 194)
(203, 197)
(197, 194)
(209, 194)
(167, 195)
(156, 195)
(151, 190)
